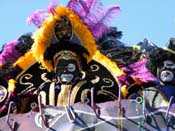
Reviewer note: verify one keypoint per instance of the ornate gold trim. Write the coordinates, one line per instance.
(66, 55)
(75, 90)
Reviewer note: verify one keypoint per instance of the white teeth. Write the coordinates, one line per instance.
(66, 77)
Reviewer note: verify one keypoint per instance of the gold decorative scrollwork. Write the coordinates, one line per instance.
(41, 67)
(110, 85)
(44, 77)
(96, 80)
(94, 67)
(109, 82)
(30, 86)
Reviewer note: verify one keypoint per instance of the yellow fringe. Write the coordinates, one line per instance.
(42, 36)
(25, 61)
(124, 90)
(11, 85)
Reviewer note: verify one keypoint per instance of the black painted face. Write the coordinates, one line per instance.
(166, 73)
(68, 71)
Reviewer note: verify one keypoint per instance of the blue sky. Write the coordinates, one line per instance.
(138, 19)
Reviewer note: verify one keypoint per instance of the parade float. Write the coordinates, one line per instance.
(74, 74)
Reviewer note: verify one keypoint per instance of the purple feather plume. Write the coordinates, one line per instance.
(39, 16)
(9, 53)
(98, 23)
(51, 7)
(85, 7)
(94, 15)
(139, 70)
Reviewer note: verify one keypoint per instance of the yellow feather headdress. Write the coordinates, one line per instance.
(43, 36)
(86, 31)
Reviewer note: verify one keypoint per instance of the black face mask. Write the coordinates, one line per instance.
(166, 72)
(68, 71)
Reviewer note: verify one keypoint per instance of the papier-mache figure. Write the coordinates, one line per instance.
(162, 65)
(65, 72)
(21, 76)
(65, 44)
(10, 53)
(159, 62)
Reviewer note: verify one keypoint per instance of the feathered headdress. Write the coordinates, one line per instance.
(94, 15)
(11, 51)
(13, 54)
(87, 19)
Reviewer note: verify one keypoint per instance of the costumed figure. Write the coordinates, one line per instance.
(158, 93)
(10, 53)
(66, 36)
(67, 73)
(162, 65)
